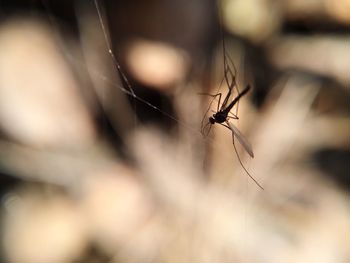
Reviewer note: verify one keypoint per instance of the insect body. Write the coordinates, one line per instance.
(222, 116)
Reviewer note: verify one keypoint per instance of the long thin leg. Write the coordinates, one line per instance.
(225, 126)
(240, 161)
(233, 117)
(203, 129)
(230, 77)
(230, 63)
(208, 94)
(228, 95)
(233, 73)
(218, 105)
(228, 73)
(205, 114)
(214, 96)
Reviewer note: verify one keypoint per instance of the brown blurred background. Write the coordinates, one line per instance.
(101, 155)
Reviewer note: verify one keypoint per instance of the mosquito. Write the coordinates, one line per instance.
(223, 116)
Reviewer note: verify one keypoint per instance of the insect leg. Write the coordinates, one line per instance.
(206, 112)
(234, 117)
(203, 129)
(239, 158)
(214, 96)
(240, 161)
(218, 105)
(225, 126)
(208, 94)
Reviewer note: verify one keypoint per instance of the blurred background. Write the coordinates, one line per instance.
(101, 153)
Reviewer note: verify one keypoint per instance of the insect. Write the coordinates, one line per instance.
(223, 114)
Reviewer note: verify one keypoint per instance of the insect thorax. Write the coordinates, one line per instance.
(220, 117)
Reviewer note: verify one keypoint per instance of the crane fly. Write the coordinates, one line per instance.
(223, 116)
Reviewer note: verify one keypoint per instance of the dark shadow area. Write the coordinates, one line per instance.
(335, 163)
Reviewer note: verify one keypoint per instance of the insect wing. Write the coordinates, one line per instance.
(242, 140)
